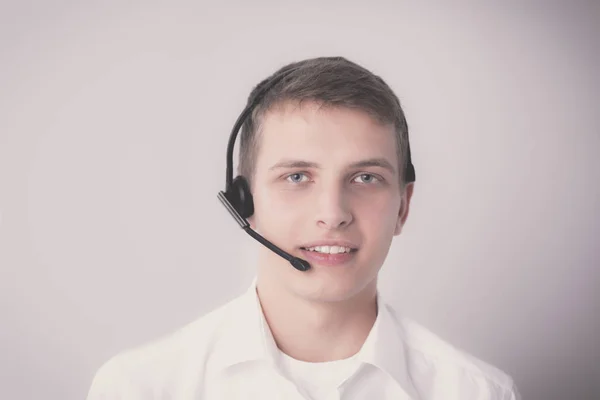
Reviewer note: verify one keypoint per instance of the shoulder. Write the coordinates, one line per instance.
(432, 358)
(158, 367)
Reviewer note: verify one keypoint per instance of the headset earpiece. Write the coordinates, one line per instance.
(240, 197)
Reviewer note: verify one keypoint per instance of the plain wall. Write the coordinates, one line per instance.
(114, 119)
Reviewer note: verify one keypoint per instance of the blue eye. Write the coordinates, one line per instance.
(367, 178)
(295, 178)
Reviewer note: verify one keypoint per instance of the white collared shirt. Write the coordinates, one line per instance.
(230, 354)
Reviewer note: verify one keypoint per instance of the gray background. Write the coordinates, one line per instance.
(114, 119)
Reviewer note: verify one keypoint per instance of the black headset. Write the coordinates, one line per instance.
(237, 197)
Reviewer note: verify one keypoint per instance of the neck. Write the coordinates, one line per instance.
(317, 331)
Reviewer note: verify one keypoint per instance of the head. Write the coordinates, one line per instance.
(325, 155)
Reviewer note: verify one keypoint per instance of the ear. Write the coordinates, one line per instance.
(404, 207)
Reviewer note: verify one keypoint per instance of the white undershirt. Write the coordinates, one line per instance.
(318, 379)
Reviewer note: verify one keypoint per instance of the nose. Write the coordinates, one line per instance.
(333, 211)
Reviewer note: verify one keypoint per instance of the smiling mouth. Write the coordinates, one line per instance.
(330, 249)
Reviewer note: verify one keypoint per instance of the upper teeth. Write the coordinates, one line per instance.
(330, 249)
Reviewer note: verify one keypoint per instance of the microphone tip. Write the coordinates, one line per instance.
(299, 264)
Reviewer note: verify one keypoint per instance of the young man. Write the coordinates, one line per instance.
(325, 153)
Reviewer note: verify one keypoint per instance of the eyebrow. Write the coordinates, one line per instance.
(370, 162)
(374, 162)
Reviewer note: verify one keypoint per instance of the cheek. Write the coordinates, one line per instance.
(276, 208)
(378, 220)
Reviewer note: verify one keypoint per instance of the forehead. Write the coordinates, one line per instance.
(332, 136)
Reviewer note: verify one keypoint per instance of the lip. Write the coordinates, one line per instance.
(329, 260)
(330, 242)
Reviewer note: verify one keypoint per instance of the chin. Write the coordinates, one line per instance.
(320, 283)
(334, 289)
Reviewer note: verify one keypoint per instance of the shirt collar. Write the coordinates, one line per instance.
(385, 348)
(246, 337)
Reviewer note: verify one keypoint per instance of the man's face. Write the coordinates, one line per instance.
(326, 176)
